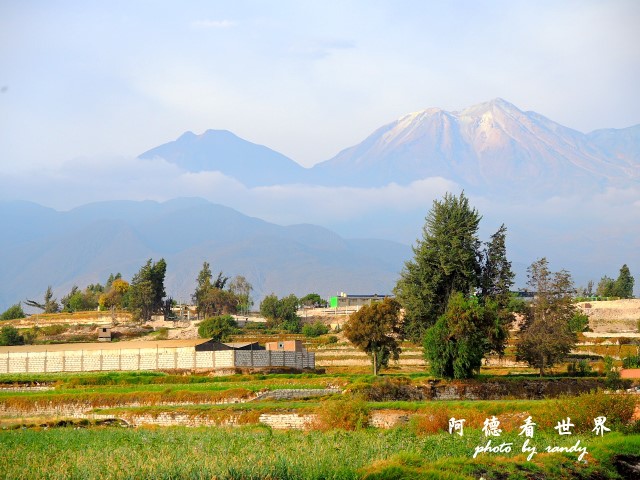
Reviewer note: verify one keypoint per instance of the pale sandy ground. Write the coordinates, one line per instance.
(613, 317)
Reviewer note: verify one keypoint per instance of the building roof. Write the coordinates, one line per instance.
(134, 345)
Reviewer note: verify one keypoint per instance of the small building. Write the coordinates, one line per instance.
(286, 346)
(355, 301)
(104, 334)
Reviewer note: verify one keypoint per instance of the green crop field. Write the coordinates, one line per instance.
(338, 446)
(259, 453)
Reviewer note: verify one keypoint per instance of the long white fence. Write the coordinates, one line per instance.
(148, 359)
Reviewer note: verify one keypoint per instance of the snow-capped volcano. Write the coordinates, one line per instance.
(492, 145)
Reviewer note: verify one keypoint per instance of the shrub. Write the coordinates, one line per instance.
(315, 329)
(54, 329)
(332, 339)
(218, 328)
(433, 421)
(13, 312)
(579, 322)
(631, 361)
(345, 414)
(10, 336)
(388, 389)
(618, 408)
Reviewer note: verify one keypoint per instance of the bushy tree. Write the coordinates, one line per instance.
(624, 283)
(210, 297)
(546, 337)
(241, 288)
(13, 312)
(146, 292)
(446, 260)
(219, 328)
(449, 261)
(116, 295)
(10, 336)
(606, 287)
(457, 343)
(376, 330)
(77, 300)
(312, 300)
(281, 312)
(218, 302)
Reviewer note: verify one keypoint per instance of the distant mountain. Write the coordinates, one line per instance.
(487, 148)
(222, 151)
(492, 149)
(88, 243)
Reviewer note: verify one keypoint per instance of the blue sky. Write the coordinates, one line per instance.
(86, 86)
(84, 79)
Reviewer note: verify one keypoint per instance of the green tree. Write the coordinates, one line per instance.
(314, 329)
(546, 335)
(241, 288)
(606, 287)
(50, 304)
(76, 300)
(269, 307)
(462, 336)
(10, 336)
(116, 295)
(146, 292)
(624, 283)
(446, 260)
(219, 328)
(13, 312)
(376, 330)
(218, 302)
(496, 278)
(312, 300)
(579, 322)
(281, 312)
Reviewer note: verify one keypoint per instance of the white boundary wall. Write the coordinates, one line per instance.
(166, 358)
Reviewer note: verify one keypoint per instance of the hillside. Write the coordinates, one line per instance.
(86, 244)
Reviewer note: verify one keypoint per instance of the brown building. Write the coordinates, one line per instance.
(286, 346)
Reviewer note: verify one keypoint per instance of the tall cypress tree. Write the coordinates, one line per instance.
(147, 289)
(446, 260)
(624, 283)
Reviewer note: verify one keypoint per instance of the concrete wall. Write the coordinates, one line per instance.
(183, 358)
(274, 358)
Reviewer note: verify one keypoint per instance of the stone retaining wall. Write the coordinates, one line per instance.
(291, 394)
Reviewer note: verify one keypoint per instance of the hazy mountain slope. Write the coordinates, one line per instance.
(109, 237)
(220, 150)
(620, 144)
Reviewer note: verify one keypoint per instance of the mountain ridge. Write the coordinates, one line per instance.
(97, 239)
(491, 148)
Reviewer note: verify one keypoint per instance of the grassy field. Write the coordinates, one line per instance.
(259, 453)
(339, 447)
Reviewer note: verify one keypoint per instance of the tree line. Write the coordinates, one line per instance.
(455, 298)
